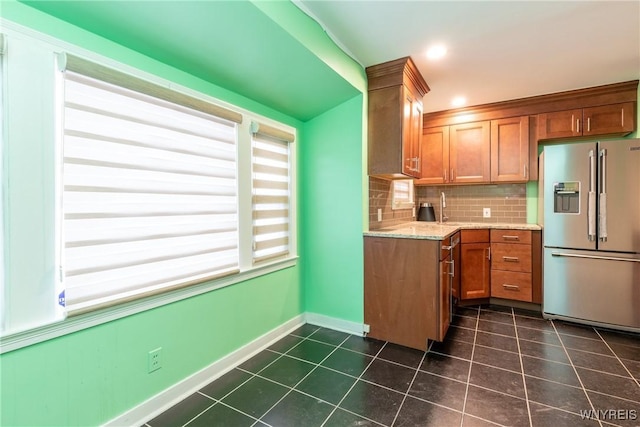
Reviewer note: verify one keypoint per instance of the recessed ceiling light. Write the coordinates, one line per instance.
(458, 101)
(436, 52)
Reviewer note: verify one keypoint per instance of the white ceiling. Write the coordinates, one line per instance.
(497, 50)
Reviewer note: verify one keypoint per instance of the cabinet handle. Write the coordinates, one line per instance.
(524, 170)
(510, 259)
(411, 161)
(578, 126)
(445, 175)
(588, 124)
(489, 253)
(510, 238)
(452, 270)
(453, 177)
(511, 287)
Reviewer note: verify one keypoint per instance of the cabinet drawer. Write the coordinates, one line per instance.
(511, 285)
(474, 236)
(511, 236)
(511, 257)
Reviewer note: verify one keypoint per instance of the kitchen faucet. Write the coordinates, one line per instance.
(443, 204)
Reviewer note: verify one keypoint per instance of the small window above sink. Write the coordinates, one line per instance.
(402, 194)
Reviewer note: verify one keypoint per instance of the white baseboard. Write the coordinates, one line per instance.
(335, 323)
(164, 400)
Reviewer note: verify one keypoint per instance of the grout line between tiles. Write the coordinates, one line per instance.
(483, 420)
(237, 410)
(626, 377)
(616, 356)
(466, 391)
(524, 379)
(255, 374)
(202, 412)
(303, 378)
(612, 396)
(415, 374)
(354, 384)
(578, 375)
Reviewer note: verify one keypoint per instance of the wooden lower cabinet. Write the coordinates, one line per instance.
(475, 264)
(406, 300)
(512, 265)
(501, 263)
(511, 285)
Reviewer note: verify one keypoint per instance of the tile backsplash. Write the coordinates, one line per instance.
(380, 198)
(508, 203)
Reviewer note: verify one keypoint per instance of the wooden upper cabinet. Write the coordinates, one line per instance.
(614, 119)
(469, 151)
(434, 155)
(396, 89)
(608, 119)
(412, 129)
(559, 124)
(510, 149)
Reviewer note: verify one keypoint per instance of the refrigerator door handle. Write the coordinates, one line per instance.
(602, 215)
(591, 209)
(606, 258)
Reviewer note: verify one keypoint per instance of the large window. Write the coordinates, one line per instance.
(121, 185)
(150, 194)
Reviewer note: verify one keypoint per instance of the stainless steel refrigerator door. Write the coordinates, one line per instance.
(601, 287)
(619, 189)
(570, 163)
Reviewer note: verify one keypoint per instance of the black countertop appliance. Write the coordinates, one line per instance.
(426, 212)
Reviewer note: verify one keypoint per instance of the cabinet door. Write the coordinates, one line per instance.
(445, 298)
(560, 124)
(434, 155)
(511, 257)
(510, 149)
(411, 132)
(608, 119)
(469, 151)
(475, 271)
(455, 288)
(401, 278)
(511, 285)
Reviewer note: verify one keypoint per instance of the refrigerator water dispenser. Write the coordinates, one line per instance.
(566, 197)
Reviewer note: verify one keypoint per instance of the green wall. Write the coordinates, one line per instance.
(94, 375)
(331, 217)
(89, 377)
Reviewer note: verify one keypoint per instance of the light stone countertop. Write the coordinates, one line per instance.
(435, 231)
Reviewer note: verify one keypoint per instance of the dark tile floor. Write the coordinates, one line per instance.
(498, 366)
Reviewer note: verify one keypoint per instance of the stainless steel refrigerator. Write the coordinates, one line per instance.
(591, 233)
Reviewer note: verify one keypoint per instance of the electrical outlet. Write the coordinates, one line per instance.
(154, 359)
(486, 212)
(379, 214)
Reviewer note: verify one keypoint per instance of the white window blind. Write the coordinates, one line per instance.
(402, 194)
(271, 193)
(150, 194)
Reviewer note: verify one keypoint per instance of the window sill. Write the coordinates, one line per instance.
(17, 340)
